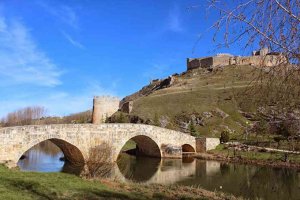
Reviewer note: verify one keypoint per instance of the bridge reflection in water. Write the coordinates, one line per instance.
(251, 182)
(162, 171)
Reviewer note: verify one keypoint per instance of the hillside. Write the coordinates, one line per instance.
(207, 100)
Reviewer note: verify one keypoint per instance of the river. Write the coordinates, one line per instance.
(248, 181)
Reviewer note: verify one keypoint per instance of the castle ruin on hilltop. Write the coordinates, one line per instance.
(106, 106)
(258, 58)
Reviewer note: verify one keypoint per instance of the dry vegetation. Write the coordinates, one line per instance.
(24, 116)
(206, 98)
(99, 163)
(174, 192)
(36, 115)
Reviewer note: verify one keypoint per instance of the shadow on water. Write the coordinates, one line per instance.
(136, 168)
(251, 182)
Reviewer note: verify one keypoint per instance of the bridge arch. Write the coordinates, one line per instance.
(71, 153)
(187, 148)
(145, 146)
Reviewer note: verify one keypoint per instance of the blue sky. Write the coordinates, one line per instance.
(59, 54)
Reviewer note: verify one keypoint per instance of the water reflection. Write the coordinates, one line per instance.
(47, 157)
(43, 157)
(138, 166)
(242, 180)
(251, 182)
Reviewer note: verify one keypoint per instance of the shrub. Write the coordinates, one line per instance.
(99, 163)
(192, 129)
(262, 127)
(156, 120)
(224, 136)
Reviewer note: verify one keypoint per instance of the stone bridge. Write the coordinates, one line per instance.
(78, 140)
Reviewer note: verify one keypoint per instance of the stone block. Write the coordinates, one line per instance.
(205, 144)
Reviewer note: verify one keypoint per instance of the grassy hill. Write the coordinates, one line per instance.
(211, 99)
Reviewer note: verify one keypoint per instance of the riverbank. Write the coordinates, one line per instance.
(15, 184)
(273, 159)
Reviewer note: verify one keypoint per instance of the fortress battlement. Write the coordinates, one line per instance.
(258, 58)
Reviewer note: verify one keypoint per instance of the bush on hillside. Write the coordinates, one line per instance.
(192, 129)
(225, 136)
(262, 127)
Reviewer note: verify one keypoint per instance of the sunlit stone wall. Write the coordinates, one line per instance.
(15, 141)
(205, 144)
(104, 107)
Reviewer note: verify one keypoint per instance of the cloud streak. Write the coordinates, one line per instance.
(21, 61)
(72, 41)
(174, 20)
(63, 12)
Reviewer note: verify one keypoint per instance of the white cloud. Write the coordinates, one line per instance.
(72, 41)
(66, 15)
(20, 59)
(175, 20)
(63, 12)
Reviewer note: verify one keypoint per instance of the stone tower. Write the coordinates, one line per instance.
(104, 107)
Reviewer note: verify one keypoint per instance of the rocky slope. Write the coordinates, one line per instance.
(199, 101)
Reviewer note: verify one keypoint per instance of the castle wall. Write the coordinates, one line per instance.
(273, 60)
(104, 107)
(199, 62)
(206, 62)
(267, 61)
(259, 58)
(248, 60)
(220, 61)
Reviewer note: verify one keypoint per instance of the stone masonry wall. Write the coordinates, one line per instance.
(205, 144)
(259, 58)
(104, 107)
(15, 141)
(212, 143)
(220, 60)
(127, 107)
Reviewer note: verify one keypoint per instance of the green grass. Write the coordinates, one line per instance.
(200, 93)
(130, 144)
(264, 156)
(30, 185)
(15, 185)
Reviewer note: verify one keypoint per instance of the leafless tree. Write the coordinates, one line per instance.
(268, 23)
(99, 163)
(272, 24)
(24, 116)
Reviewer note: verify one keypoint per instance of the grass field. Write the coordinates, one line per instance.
(29, 185)
(263, 156)
(16, 185)
(129, 145)
(199, 92)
